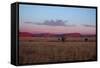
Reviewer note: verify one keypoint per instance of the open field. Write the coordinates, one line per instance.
(42, 50)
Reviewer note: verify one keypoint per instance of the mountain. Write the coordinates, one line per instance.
(26, 34)
(88, 35)
(72, 34)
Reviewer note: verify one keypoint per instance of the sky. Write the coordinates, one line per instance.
(53, 19)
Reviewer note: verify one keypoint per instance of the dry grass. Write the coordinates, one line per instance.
(40, 50)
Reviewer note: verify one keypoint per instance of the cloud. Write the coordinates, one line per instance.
(53, 23)
(89, 25)
(28, 22)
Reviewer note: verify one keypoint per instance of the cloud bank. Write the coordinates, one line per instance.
(89, 25)
(52, 23)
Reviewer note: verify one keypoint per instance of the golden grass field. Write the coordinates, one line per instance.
(42, 50)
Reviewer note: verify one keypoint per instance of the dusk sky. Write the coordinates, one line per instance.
(48, 19)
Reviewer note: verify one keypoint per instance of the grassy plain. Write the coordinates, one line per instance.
(42, 50)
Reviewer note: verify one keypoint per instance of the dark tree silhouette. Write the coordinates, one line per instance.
(86, 39)
(63, 39)
(58, 38)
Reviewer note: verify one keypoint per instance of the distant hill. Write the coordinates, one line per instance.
(72, 34)
(26, 34)
(87, 35)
